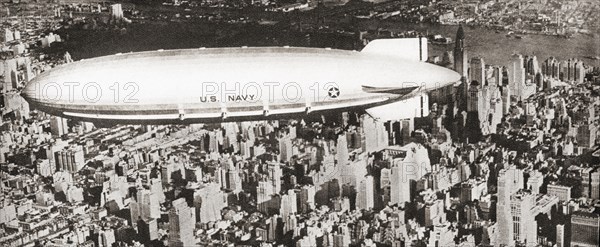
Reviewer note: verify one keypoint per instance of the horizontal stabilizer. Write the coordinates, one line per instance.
(407, 48)
(417, 106)
(392, 90)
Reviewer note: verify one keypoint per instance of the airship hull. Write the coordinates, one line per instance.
(197, 113)
(174, 117)
(229, 84)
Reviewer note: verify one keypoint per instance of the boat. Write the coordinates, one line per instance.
(439, 40)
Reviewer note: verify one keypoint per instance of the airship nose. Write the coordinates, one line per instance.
(42, 89)
(29, 92)
(443, 76)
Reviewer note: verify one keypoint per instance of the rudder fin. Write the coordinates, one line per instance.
(408, 48)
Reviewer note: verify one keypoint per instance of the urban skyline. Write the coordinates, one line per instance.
(507, 156)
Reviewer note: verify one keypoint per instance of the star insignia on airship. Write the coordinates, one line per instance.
(333, 92)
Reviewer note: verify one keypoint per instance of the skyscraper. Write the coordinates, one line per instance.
(342, 150)
(400, 182)
(523, 219)
(473, 98)
(510, 180)
(585, 228)
(181, 224)
(7, 35)
(290, 223)
(306, 198)
(535, 181)
(461, 65)
(560, 235)
(563, 67)
(562, 192)
(156, 188)
(147, 206)
(288, 204)
(67, 58)
(374, 134)
(10, 74)
(234, 181)
(58, 126)
(590, 181)
(532, 66)
(106, 237)
(365, 196)
(550, 68)
(285, 148)
(460, 54)
(273, 229)
(209, 201)
(275, 175)
(571, 69)
(595, 184)
(70, 159)
(506, 102)
(578, 72)
(116, 11)
(342, 236)
(516, 76)
(263, 195)
(434, 213)
(477, 70)
(147, 230)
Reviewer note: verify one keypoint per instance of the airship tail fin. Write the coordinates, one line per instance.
(408, 48)
(417, 106)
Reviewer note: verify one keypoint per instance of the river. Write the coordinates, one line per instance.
(495, 48)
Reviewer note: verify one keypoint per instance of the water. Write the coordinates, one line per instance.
(494, 47)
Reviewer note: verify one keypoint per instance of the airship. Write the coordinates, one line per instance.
(388, 78)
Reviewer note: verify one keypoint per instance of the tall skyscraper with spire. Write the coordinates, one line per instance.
(460, 54)
(461, 66)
